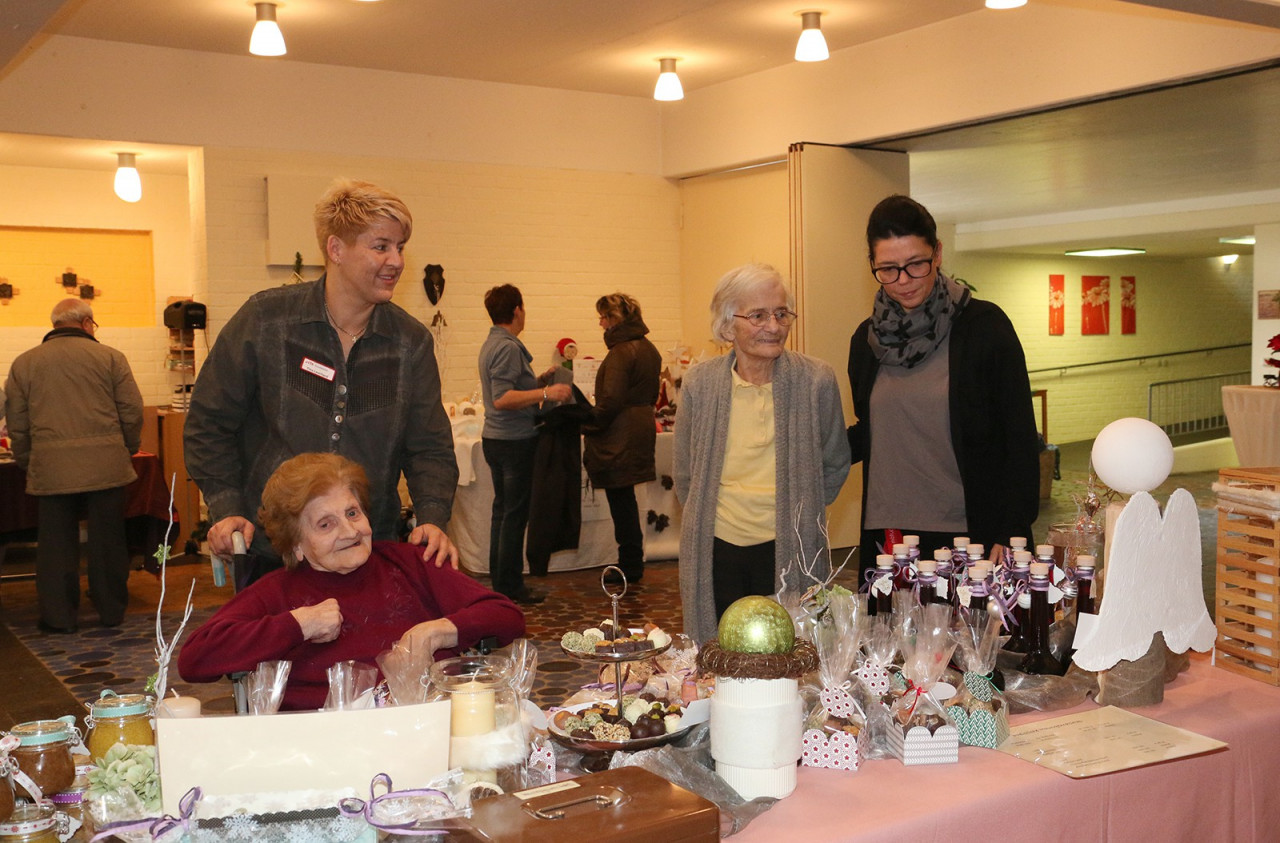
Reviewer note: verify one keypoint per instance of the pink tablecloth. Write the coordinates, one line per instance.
(1230, 795)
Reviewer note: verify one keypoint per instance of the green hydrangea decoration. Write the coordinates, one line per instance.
(127, 767)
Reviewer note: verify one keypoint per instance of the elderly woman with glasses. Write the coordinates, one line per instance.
(946, 433)
(760, 451)
(341, 596)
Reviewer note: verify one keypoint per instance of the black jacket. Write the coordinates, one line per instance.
(993, 428)
(621, 435)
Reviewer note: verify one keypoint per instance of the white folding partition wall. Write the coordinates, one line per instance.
(833, 189)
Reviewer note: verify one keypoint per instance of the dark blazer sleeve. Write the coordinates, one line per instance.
(997, 430)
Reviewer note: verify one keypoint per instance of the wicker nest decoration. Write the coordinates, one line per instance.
(802, 659)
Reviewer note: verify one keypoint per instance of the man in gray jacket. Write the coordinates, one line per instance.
(75, 418)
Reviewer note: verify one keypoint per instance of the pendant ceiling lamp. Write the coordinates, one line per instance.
(811, 46)
(1005, 4)
(128, 184)
(668, 88)
(267, 39)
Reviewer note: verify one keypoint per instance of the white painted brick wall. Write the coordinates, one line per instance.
(563, 237)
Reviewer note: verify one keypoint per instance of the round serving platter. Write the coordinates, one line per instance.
(593, 745)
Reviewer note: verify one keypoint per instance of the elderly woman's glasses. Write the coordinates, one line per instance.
(760, 318)
(914, 269)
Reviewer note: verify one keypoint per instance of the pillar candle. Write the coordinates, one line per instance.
(473, 710)
(179, 707)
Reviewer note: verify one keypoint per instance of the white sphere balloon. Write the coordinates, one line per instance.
(1132, 455)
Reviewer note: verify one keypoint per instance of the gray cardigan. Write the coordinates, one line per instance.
(812, 458)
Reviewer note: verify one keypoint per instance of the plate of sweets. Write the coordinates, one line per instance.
(643, 723)
(607, 643)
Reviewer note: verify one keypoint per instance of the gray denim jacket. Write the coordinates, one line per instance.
(275, 385)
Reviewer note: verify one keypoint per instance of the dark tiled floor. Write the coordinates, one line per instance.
(51, 675)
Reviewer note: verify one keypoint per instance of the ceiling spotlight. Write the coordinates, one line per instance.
(1005, 4)
(267, 39)
(1104, 253)
(1227, 260)
(811, 46)
(128, 184)
(668, 88)
(1246, 240)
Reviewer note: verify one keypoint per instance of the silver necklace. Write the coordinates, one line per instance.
(357, 335)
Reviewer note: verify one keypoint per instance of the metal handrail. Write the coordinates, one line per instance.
(1136, 359)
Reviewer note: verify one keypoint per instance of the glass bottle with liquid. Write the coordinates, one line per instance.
(946, 576)
(1039, 660)
(1080, 587)
(901, 566)
(880, 591)
(1016, 583)
(927, 581)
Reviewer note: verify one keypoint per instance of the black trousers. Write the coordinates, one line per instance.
(737, 572)
(627, 531)
(58, 556)
(511, 464)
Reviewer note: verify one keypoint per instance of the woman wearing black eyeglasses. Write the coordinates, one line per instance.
(760, 451)
(945, 432)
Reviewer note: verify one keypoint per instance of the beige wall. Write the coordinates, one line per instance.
(727, 220)
(1182, 305)
(58, 198)
(563, 237)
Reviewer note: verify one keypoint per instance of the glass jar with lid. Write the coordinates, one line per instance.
(43, 752)
(30, 824)
(119, 718)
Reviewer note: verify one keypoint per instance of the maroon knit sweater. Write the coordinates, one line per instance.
(380, 601)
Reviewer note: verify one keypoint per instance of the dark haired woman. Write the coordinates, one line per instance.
(945, 433)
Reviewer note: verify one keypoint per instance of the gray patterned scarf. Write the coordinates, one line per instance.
(905, 338)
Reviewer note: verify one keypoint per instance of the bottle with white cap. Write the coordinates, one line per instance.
(1015, 584)
(1080, 586)
(927, 581)
(1039, 660)
(880, 586)
(946, 576)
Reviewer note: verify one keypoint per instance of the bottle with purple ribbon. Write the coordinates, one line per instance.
(880, 586)
(927, 581)
(1038, 659)
(973, 594)
(901, 566)
(946, 576)
(1081, 583)
(1015, 586)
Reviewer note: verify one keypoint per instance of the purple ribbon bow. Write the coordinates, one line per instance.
(157, 827)
(352, 807)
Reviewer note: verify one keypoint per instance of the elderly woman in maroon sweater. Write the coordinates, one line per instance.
(341, 595)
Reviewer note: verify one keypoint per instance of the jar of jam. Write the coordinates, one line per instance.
(115, 718)
(6, 791)
(44, 752)
(30, 824)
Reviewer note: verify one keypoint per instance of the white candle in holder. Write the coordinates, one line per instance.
(179, 707)
(473, 710)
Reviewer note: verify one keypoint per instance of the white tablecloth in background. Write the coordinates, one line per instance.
(473, 510)
(1253, 413)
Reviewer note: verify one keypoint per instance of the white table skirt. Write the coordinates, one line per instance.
(473, 511)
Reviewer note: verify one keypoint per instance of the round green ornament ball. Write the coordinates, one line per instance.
(756, 624)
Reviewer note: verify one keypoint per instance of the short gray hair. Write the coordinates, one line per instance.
(71, 312)
(733, 287)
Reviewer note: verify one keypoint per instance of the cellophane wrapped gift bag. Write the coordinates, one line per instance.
(922, 733)
(979, 709)
(835, 725)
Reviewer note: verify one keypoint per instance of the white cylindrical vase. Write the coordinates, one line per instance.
(757, 735)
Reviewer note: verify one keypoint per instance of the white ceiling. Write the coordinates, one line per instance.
(1213, 139)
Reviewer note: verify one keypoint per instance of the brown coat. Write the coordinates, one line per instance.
(74, 414)
(621, 434)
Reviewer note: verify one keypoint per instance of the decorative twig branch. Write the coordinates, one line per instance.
(165, 649)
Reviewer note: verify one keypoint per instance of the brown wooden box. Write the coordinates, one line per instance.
(626, 805)
(1247, 597)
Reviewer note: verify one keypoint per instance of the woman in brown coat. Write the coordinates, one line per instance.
(621, 434)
